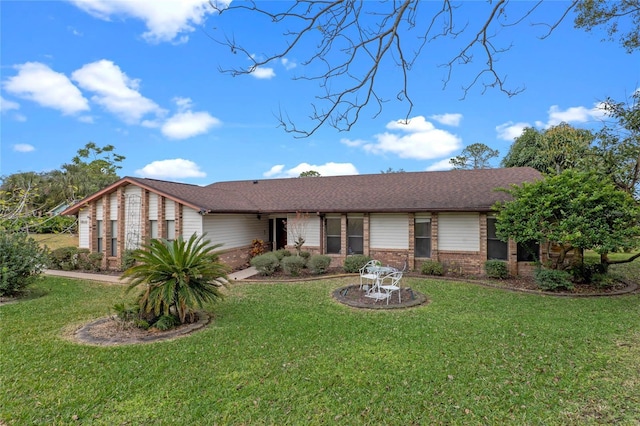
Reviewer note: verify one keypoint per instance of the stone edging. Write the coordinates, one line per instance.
(630, 287)
(83, 334)
(420, 299)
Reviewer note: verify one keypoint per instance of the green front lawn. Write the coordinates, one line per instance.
(288, 354)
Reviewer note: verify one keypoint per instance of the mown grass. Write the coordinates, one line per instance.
(54, 241)
(289, 354)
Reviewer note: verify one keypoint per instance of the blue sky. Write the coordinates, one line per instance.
(144, 76)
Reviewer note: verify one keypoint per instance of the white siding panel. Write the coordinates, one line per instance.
(153, 206)
(83, 228)
(169, 209)
(389, 231)
(132, 217)
(99, 210)
(235, 230)
(191, 222)
(113, 206)
(459, 231)
(309, 227)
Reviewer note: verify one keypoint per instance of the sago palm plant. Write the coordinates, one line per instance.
(178, 276)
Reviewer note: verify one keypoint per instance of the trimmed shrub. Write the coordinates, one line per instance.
(21, 261)
(282, 253)
(64, 258)
(355, 262)
(292, 265)
(318, 263)
(305, 255)
(496, 269)
(552, 279)
(266, 264)
(432, 267)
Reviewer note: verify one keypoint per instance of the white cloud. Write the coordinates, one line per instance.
(176, 168)
(288, 64)
(510, 130)
(421, 141)
(577, 114)
(115, 91)
(39, 83)
(6, 105)
(185, 123)
(23, 147)
(327, 169)
(165, 20)
(440, 165)
(263, 73)
(447, 119)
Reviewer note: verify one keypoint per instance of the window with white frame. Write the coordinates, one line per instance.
(333, 231)
(153, 229)
(171, 230)
(355, 235)
(422, 235)
(114, 238)
(496, 249)
(99, 240)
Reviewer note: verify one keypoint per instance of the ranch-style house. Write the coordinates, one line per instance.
(398, 218)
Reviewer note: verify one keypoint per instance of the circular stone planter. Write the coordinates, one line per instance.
(353, 296)
(102, 332)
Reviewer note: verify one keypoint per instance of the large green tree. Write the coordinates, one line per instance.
(352, 40)
(475, 156)
(617, 150)
(27, 194)
(573, 211)
(552, 150)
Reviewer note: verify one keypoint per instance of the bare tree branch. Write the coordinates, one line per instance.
(354, 40)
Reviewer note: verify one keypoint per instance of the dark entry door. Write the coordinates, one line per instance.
(281, 232)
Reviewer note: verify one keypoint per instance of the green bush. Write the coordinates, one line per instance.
(355, 262)
(318, 263)
(552, 279)
(21, 261)
(306, 255)
(292, 265)
(496, 269)
(282, 253)
(166, 322)
(432, 267)
(266, 264)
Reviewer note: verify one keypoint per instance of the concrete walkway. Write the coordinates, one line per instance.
(115, 279)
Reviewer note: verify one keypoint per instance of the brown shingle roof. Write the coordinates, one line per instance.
(454, 190)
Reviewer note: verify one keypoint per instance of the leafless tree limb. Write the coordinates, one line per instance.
(355, 40)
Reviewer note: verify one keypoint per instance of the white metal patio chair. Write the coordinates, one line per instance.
(390, 283)
(368, 276)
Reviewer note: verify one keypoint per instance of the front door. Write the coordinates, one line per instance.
(280, 232)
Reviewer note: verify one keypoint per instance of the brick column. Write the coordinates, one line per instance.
(122, 226)
(144, 217)
(411, 255)
(106, 230)
(366, 235)
(483, 237)
(161, 217)
(178, 219)
(93, 225)
(434, 236)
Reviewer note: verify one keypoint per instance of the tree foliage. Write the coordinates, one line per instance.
(354, 40)
(177, 276)
(21, 262)
(571, 210)
(474, 156)
(617, 149)
(27, 194)
(310, 173)
(553, 150)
